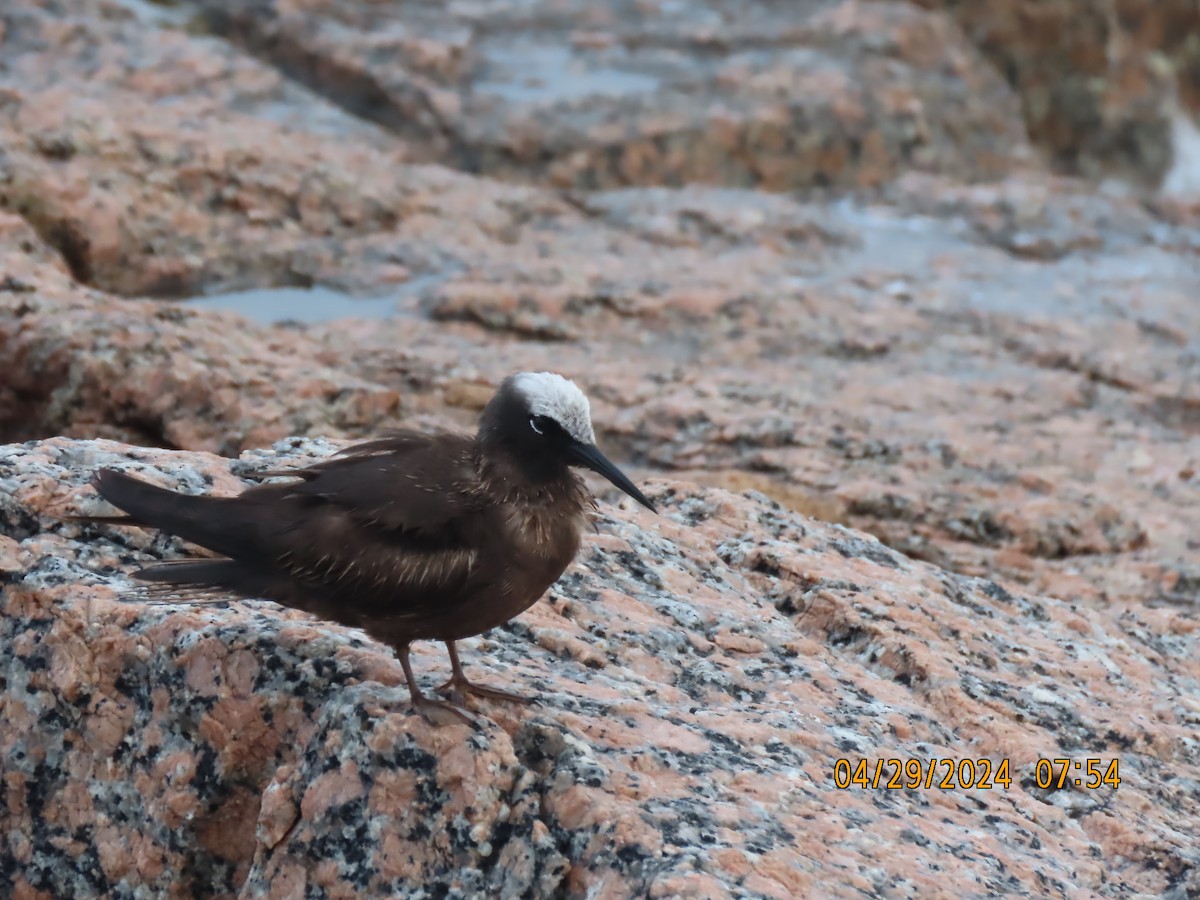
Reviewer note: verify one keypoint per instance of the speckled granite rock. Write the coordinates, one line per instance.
(699, 674)
(1000, 379)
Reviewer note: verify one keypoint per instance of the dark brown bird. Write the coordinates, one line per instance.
(412, 536)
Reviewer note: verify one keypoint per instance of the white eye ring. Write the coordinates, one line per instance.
(533, 425)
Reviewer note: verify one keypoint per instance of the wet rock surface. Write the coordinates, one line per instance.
(699, 675)
(806, 252)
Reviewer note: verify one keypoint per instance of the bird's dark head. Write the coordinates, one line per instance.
(545, 423)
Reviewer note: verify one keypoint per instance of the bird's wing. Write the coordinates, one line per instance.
(394, 441)
(410, 483)
(384, 528)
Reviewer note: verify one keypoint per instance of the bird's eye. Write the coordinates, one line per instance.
(533, 423)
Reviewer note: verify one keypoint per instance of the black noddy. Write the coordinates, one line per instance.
(410, 537)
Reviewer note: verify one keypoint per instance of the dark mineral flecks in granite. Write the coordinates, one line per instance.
(685, 740)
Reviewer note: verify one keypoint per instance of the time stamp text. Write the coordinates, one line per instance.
(967, 774)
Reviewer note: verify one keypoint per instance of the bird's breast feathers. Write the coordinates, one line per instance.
(542, 532)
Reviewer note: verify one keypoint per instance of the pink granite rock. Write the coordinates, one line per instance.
(594, 95)
(161, 163)
(699, 675)
(998, 380)
(81, 363)
(1099, 83)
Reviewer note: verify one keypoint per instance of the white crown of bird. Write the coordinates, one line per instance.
(549, 394)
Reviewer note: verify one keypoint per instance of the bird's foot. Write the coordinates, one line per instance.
(459, 689)
(441, 712)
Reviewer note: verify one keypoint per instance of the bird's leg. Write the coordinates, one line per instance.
(427, 706)
(459, 686)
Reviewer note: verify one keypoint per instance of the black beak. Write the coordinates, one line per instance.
(589, 455)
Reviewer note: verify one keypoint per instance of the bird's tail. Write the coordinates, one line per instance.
(202, 520)
(196, 581)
